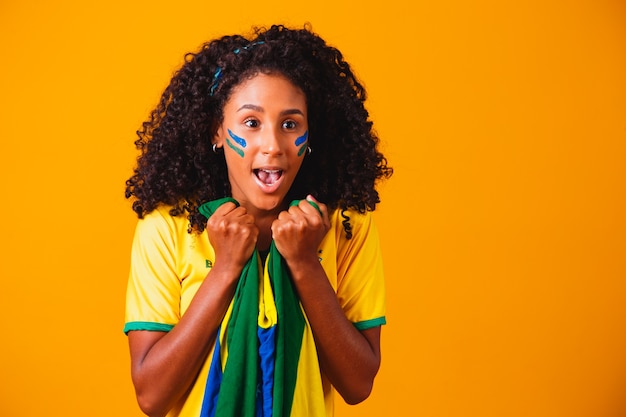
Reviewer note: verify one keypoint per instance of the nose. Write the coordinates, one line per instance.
(271, 143)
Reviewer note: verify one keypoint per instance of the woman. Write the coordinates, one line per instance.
(262, 121)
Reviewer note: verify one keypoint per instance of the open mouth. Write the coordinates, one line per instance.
(268, 176)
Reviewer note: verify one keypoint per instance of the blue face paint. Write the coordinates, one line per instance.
(240, 141)
(302, 141)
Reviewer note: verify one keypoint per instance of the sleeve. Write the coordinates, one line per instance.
(154, 289)
(360, 275)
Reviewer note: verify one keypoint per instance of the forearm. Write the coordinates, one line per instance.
(164, 369)
(348, 358)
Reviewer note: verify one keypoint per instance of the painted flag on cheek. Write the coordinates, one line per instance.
(264, 362)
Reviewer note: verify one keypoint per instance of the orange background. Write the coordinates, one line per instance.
(503, 229)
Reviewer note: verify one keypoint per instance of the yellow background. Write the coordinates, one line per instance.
(503, 228)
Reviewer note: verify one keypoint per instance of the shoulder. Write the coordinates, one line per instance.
(160, 224)
(353, 232)
(161, 216)
(357, 223)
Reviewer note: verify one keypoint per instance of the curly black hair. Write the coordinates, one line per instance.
(177, 166)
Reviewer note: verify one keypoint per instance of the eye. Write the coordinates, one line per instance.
(252, 123)
(289, 124)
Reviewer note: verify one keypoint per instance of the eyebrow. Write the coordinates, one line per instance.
(261, 110)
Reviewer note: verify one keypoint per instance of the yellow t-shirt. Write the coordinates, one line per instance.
(168, 265)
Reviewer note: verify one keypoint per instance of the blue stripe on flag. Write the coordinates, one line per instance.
(214, 380)
(267, 349)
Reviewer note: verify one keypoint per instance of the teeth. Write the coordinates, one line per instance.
(268, 176)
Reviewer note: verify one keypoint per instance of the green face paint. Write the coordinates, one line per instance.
(302, 142)
(238, 141)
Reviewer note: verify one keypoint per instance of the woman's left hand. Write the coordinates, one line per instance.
(349, 358)
(299, 231)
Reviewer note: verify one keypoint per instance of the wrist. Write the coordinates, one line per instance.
(303, 265)
(226, 272)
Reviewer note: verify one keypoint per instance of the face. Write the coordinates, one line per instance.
(264, 136)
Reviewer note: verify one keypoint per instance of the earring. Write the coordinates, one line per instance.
(309, 150)
(214, 148)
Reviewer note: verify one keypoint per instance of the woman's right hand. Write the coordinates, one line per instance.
(165, 365)
(233, 235)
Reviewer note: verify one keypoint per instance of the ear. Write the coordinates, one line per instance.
(218, 139)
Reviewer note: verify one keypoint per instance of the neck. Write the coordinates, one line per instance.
(265, 231)
(263, 220)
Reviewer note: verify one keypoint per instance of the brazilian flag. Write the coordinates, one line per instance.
(264, 361)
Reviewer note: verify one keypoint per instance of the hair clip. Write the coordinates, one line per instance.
(216, 80)
(236, 51)
(218, 72)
